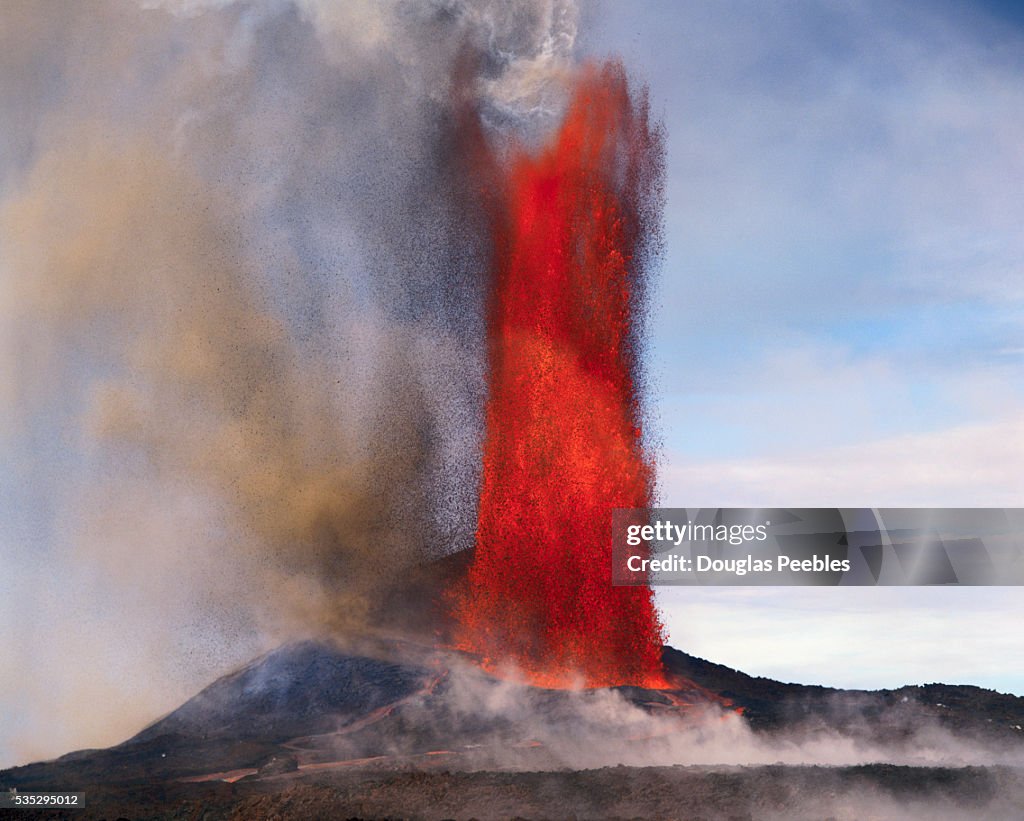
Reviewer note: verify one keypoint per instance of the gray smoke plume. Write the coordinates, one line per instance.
(241, 293)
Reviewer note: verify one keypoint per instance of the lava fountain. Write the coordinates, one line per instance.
(563, 445)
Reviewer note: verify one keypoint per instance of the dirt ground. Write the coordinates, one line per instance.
(775, 792)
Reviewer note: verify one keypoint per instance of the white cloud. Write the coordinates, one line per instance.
(831, 164)
(975, 465)
(861, 637)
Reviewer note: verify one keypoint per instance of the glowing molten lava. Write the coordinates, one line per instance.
(563, 440)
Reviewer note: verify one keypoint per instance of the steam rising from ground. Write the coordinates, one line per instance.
(241, 296)
(605, 727)
(810, 771)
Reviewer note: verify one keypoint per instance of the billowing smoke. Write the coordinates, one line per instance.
(241, 299)
(582, 729)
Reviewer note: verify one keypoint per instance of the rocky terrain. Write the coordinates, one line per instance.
(400, 730)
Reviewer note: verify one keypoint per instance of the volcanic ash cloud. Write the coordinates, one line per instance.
(242, 288)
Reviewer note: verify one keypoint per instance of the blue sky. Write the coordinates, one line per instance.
(842, 196)
(839, 316)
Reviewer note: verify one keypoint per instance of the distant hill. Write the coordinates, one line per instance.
(774, 705)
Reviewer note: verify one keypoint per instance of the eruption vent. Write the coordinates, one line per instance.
(563, 439)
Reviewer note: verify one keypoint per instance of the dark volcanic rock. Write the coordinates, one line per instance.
(307, 727)
(279, 764)
(300, 689)
(734, 794)
(776, 705)
(240, 720)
